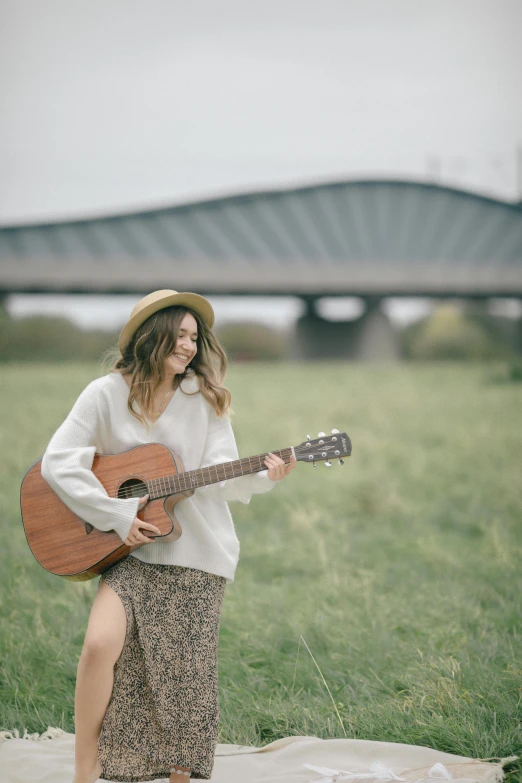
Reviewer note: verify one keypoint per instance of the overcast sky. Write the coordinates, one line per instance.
(112, 104)
(109, 105)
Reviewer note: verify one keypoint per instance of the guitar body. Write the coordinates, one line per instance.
(66, 545)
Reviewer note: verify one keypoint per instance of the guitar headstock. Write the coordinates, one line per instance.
(324, 448)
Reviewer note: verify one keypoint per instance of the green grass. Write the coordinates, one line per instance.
(401, 570)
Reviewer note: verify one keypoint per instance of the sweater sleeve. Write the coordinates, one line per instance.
(67, 468)
(220, 446)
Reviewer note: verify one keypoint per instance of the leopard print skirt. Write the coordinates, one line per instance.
(164, 709)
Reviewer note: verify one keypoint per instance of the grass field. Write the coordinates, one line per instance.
(399, 572)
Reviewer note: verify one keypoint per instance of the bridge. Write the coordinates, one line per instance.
(367, 238)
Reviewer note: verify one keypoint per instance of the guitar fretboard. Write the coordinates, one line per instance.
(192, 479)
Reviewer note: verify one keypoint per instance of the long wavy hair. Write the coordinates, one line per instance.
(144, 356)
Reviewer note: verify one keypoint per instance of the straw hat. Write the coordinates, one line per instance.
(157, 300)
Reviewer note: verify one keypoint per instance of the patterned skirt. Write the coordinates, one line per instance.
(164, 709)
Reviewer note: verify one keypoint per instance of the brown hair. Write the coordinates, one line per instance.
(153, 341)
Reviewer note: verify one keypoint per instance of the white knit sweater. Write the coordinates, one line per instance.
(100, 422)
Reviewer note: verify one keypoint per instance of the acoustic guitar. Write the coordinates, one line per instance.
(68, 546)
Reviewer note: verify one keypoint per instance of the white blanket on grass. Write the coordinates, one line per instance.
(49, 758)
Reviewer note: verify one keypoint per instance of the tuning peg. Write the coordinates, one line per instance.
(335, 432)
(315, 466)
(341, 461)
(308, 437)
(321, 434)
(328, 464)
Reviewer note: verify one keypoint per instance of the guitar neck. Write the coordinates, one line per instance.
(202, 477)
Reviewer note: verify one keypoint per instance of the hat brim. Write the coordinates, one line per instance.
(194, 301)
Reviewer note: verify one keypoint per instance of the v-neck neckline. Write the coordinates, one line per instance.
(169, 408)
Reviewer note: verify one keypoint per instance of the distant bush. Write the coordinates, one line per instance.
(449, 333)
(506, 331)
(514, 372)
(249, 340)
(44, 338)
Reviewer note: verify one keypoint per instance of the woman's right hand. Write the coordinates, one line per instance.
(136, 537)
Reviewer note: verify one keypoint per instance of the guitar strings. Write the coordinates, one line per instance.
(134, 492)
(137, 489)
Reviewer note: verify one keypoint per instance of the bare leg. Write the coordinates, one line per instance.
(102, 647)
(179, 775)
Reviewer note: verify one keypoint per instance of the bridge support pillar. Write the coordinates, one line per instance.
(3, 306)
(316, 338)
(370, 337)
(375, 337)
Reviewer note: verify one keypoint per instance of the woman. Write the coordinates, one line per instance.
(146, 702)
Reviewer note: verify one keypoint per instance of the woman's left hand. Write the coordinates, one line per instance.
(277, 469)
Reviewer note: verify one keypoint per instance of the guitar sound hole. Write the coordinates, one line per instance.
(132, 488)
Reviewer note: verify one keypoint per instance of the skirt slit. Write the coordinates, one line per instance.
(164, 708)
